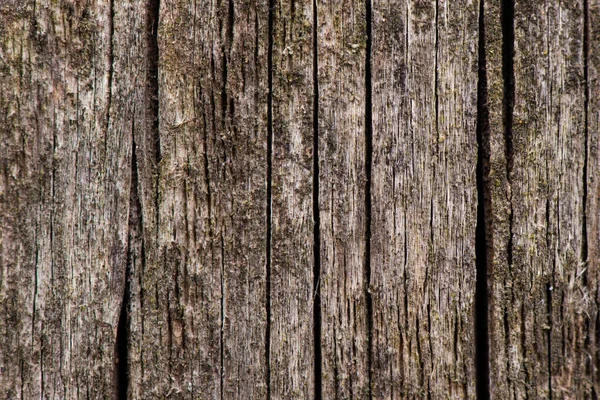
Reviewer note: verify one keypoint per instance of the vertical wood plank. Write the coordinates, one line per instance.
(571, 309)
(424, 81)
(209, 279)
(65, 195)
(243, 209)
(538, 153)
(292, 296)
(390, 180)
(180, 289)
(499, 189)
(593, 194)
(341, 42)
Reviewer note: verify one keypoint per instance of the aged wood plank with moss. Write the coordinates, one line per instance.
(341, 42)
(424, 80)
(204, 282)
(538, 288)
(592, 59)
(68, 97)
(292, 297)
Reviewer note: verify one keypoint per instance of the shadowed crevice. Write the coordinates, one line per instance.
(586, 109)
(269, 196)
(317, 319)
(152, 94)
(368, 200)
(483, 232)
(508, 51)
(134, 242)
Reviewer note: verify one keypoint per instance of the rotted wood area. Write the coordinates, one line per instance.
(288, 199)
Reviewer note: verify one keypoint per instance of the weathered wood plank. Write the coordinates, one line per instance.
(537, 188)
(241, 200)
(66, 137)
(292, 297)
(499, 193)
(593, 193)
(207, 288)
(424, 79)
(341, 42)
(179, 326)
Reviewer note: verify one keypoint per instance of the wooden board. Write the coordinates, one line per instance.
(341, 42)
(204, 281)
(292, 264)
(538, 141)
(66, 136)
(424, 198)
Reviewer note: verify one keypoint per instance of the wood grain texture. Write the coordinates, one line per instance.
(593, 194)
(279, 198)
(66, 134)
(538, 140)
(292, 297)
(424, 79)
(341, 42)
(204, 283)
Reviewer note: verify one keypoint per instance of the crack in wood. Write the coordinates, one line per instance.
(317, 319)
(368, 185)
(269, 215)
(484, 229)
(152, 96)
(123, 328)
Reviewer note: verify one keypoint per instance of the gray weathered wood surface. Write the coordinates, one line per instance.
(295, 199)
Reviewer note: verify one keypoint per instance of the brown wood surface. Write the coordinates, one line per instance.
(292, 263)
(424, 80)
(541, 294)
(294, 199)
(67, 105)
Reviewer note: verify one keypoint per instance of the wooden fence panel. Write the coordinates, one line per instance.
(299, 199)
(424, 198)
(292, 266)
(207, 291)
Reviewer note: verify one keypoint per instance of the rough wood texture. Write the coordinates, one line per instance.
(204, 283)
(341, 57)
(540, 300)
(424, 79)
(66, 134)
(292, 297)
(280, 199)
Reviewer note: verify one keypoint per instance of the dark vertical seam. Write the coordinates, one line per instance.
(586, 54)
(434, 177)
(269, 195)
(368, 200)
(123, 328)
(508, 38)
(483, 229)
(152, 49)
(111, 68)
(222, 330)
(317, 328)
(584, 233)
